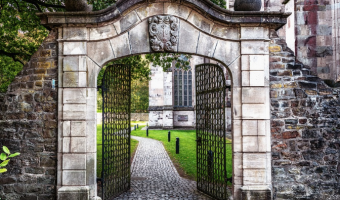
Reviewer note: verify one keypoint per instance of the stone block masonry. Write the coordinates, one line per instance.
(28, 124)
(304, 129)
(232, 41)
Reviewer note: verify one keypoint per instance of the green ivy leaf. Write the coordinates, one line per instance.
(4, 163)
(3, 170)
(14, 154)
(3, 156)
(6, 150)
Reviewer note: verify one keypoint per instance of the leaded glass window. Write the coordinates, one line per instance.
(182, 87)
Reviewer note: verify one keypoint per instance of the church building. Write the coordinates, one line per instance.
(172, 96)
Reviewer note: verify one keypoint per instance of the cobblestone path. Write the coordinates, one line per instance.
(154, 177)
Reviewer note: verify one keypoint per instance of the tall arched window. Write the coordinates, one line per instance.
(182, 87)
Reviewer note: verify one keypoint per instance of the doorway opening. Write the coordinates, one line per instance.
(198, 95)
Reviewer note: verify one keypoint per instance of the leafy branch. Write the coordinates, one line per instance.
(4, 157)
(12, 55)
(44, 4)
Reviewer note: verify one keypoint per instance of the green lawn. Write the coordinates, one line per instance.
(186, 159)
(187, 156)
(133, 147)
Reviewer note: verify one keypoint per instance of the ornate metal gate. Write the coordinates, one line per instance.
(211, 130)
(116, 91)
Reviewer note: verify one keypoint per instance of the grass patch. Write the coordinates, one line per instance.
(133, 148)
(186, 159)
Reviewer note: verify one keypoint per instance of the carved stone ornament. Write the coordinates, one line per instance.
(163, 31)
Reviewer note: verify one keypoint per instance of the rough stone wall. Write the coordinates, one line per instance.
(28, 124)
(315, 36)
(304, 127)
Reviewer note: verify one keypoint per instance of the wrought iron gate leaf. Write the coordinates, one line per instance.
(116, 92)
(211, 130)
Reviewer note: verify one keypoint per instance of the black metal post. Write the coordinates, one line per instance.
(177, 145)
(169, 136)
(147, 132)
(135, 127)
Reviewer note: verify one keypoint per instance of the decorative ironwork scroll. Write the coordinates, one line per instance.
(116, 89)
(163, 31)
(211, 131)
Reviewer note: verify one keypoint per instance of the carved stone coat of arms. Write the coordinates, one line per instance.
(163, 31)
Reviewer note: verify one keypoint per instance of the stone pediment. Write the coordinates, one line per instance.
(119, 10)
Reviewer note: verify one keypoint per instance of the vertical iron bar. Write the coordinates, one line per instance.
(210, 130)
(116, 131)
(103, 128)
(177, 145)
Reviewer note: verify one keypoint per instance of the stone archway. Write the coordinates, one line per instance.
(88, 40)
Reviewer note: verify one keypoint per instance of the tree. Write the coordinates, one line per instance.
(139, 96)
(21, 34)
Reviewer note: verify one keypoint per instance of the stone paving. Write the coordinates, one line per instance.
(154, 177)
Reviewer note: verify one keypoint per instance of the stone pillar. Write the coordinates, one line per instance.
(168, 109)
(77, 117)
(254, 153)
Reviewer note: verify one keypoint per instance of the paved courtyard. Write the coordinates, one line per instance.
(155, 177)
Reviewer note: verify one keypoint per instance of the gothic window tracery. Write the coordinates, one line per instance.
(182, 87)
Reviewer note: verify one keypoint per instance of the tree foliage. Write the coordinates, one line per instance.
(139, 96)
(220, 3)
(21, 34)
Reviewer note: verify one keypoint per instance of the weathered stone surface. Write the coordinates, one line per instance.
(121, 45)
(225, 32)
(206, 45)
(74, 178)
(74, 79)
(227, 51)
(150, 10)
(74, 95)
(126, 22)
(255, 94)
(177, 10)
(102, 32)
(32, 133)
(74, 33)
(254, 47)
(74, 161)
(73, 192)
(188, 38)
(100, 52)
(74, 63)
(140, 39)
(254, 33)
(303, 131)
(74, 48)
(200, 22)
